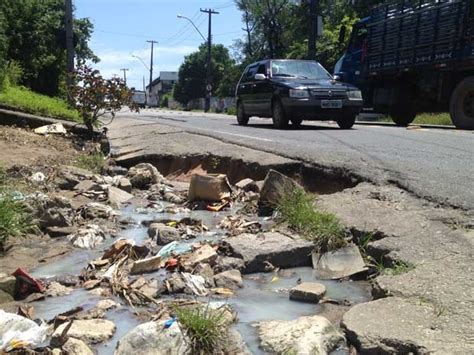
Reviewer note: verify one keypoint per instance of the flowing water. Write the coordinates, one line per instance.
(263, 297)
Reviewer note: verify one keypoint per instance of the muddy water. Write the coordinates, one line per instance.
(264, 296)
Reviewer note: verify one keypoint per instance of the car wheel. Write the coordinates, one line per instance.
(242, 118)
(462, 104)
(296, 122)
(347, 121)
(280, 120)
(402, 115)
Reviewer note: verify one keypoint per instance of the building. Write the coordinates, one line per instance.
(161, 86)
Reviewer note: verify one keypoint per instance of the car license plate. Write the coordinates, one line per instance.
(331, 103)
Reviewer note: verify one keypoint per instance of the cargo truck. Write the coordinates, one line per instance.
(412, 56)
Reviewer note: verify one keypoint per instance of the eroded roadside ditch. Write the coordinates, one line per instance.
(264, 295)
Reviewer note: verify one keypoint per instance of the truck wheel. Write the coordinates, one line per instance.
(347, 121)
(461, 106)
(296, 122)
(242, 118)
(280, 120)
(402, 116)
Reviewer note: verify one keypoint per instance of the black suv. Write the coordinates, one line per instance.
(295, 90)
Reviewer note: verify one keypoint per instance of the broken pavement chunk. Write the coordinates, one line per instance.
(164, 234)
(56, 128)
(248, 185)
(231, 279)
(205, 254)
(308, 292)
(212, 187)
(89, 330)
(274, 186)
(146, 265)
(118, 196)
(339, 263)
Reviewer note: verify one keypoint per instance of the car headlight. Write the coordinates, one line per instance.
(354, 95)
(299, 93)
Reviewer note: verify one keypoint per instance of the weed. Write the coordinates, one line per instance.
(204, 328)
(93, 162)
(231, 110)
(397, 268)
(322, 228)
(25, 100)
(364, 241)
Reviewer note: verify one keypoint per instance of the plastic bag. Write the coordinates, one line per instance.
(17, 332)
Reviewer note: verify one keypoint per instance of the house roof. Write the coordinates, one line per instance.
(165, 76)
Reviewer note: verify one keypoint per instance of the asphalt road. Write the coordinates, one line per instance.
(432, 163)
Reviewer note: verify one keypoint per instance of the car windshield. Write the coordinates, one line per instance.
(302, 69)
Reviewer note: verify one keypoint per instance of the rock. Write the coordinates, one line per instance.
(57, 232)
(224, 263)
(278, 249)
(152, 339)
(247, 185)
(8, 283)
(173, 198)
(231, 279)
(340, 263)
(105, 305)
(175, 283)
(146, 265)
(115, 170)
(95, 210)
(76, 347)
(308, 292)
(205, 254)
(163, 233)
(274, 186)
(235, 343)
(89, 330)
(70, 176)
(90, 284)
(52, 211)
(5, 297)
(406, 327)
(205, 270)
(143, 175)
(117, 196)
(87, 238)
(87, 185)
(305, 335)
(55, 289)
(125, 184)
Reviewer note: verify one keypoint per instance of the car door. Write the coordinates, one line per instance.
(262, 91)
(246, 90)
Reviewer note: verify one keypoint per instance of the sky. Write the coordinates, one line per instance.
(122, 27)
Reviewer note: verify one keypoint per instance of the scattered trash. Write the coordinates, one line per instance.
(167, 250)
(18, 332)
(195, 283)
(38, 177)
(87, 238)
(26, 284)
(56, 128)
(209, 188)
(217, 207)
(169, 323)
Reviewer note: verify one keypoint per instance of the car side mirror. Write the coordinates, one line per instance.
(260, 77)
(338, 77)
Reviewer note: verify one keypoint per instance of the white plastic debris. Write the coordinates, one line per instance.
(17, 332)
(195, 283)
(38, 177)
(56, 128)
(87, 238)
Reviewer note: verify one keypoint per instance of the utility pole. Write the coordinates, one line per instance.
(69, 19)
(151, 66)
(207, 104)
(313, 29)
(125, 75)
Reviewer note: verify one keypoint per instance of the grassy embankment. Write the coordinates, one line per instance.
(25, 100)
(443, 119)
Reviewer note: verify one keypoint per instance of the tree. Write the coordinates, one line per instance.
(96, 96)
(192, 74)
(36, 41)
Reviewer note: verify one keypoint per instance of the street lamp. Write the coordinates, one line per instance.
(192, 23)
(147, 68)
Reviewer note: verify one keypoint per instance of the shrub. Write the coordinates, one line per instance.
(93, 162)
(204, 327)
(10, 74)
(231, 110)
(323, 228)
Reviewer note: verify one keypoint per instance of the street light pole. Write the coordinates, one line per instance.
(124, 75)
(207, 104)
(151, 66)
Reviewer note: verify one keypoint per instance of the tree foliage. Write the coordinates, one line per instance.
(96, 96)
(192, 74)
(34, 37)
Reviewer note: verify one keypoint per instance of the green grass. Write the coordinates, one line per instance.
(443, 119)
(205, 328)
(322, 228)
(398, 268)
(28, 101)
(93, 162)
(15, 219)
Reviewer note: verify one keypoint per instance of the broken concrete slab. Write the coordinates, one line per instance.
(89, 330)
(274, 187)
(146, 265)
(118, 196)
(125, 184)
(224, 263)
(338, 264)
(87, 185)
(58, 232)
(8, 283)
(308, 292)
(247, 185)
(144, 175)
(231, 279)
(76, 347)
(305, 335)
(164, 234)
(278, 249)
(204, 254)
